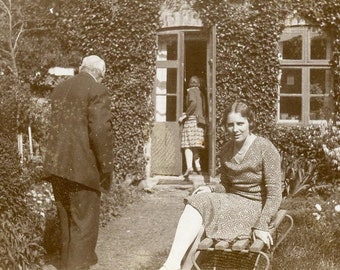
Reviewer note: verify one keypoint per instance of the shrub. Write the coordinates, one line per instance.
(298, 175)
(304, 162)
(21, 227)
(7, 106)
(331, 147)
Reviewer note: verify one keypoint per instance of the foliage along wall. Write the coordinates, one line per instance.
(247, 63)
(124, 33)
(247, 52)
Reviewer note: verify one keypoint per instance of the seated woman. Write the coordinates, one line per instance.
(247, 197)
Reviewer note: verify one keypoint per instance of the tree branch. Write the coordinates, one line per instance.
(18, 36)
(4, 7)
(5, 52)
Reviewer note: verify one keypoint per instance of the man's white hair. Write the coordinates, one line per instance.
(94, 65)
(93, 61)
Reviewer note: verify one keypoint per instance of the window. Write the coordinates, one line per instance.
(166, 79)
(305, 79)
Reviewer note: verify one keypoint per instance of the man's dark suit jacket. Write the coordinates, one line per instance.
(79, 146)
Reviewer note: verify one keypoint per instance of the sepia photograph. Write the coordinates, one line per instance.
(169, 134)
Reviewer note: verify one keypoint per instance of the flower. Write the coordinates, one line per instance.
(337, 208)
(317, 216)
(318, 207)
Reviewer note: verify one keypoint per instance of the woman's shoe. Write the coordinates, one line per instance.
(188, 172)
(199, 171)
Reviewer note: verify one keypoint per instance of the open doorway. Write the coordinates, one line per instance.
(181, 54)
(195, 63)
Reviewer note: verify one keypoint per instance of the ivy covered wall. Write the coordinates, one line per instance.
(247, 50)
(247, 62)
(124, 33)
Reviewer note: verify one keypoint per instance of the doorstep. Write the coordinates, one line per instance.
(161, 182)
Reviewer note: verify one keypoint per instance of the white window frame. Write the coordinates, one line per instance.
(305, 64)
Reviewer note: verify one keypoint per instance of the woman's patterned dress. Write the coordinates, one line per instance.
(248, 195)
(192, 134)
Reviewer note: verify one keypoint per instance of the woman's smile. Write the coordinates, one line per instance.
(238, 126)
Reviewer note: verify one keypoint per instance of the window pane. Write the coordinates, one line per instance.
(166, 82)
(318, 47)
(319, 81)
(171, 84)
(320, 108)
(290, 108)
(291, 46)
(166, 108)
(161, 81)
(167, 47)
(160, 109)
(171, 108)
(291, 81)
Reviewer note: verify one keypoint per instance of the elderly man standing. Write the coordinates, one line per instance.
(79, 160)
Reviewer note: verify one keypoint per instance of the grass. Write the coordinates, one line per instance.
(313, 243)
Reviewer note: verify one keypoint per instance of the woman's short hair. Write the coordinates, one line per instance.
(195, 81)
(240, 106)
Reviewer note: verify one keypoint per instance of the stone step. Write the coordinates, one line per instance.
(175, 182)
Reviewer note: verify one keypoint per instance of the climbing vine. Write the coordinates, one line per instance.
(247, 54)
(124, 33)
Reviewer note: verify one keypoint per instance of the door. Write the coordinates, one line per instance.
(195, 64)
(166, 157)
(211, 96)
(181, 54)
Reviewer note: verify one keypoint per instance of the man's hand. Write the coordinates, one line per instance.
(105, 182)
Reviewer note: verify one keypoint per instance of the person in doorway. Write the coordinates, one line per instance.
(247, 197)
(79, 160)
(193, 120)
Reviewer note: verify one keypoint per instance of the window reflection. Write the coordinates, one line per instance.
(318, 81)
(171, 108)
(171, 80)
(291, 45)
(166, 81)
(290, 108)
(320, 108)
(160, 108)
(291, 80)
(318, 48)
(167, 47)
(165, 100)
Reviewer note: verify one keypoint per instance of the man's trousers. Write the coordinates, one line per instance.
(78, 209)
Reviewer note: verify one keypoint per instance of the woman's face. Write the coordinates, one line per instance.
(238, 126)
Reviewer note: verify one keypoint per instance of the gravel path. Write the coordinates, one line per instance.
(146, 227)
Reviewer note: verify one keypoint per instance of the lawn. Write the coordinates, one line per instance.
(313, 243)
